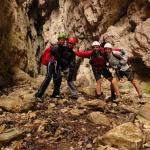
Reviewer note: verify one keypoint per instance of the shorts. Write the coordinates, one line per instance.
(102, 72)
(129, 73)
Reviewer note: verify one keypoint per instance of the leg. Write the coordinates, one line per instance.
(137, 87)
(46, 81)
(43, 86)
(69, 75)
(57, 84)
(72, 89)
(57, 78)
(115, 86)
(97, 75)
(99, 86)
(113, 95)
(131, 77)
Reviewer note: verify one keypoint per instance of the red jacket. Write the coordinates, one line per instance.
(87, 54)
(97, 60)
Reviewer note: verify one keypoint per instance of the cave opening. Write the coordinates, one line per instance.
(36, 12)
(141, 70)
(132, 26)
(123, 10)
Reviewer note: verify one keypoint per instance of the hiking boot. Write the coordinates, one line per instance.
(73, 96)
(56, 96)
(37, 94)
(111, 98)
(100, 96)
(140, 96)
(117, 99)
(38, 97)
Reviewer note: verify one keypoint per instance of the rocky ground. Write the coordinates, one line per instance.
(27, 27)
(65, 124)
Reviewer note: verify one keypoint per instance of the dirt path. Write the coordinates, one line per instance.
(62, 124)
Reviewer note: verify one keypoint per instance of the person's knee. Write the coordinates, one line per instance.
(133, 81)
(99, 81)
(47, 79)
(110, 79)
(114, 81)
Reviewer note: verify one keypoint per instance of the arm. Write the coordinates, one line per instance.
(72, 68)
(54, 52)
(85, 54)
(102, 50)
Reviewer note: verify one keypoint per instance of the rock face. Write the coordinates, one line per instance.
(19, 39)
(126, 21)
(28, 26)
(132, 31)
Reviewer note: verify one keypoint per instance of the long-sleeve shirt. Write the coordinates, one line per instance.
(96, 57)
(66, 59)
(56, 52)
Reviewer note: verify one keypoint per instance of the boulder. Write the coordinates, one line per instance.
(90, 90)
(10, 134)
(92, 104)
(126, 135)
(16, 103)
(77, 112)
(145, 111)
(99, 118)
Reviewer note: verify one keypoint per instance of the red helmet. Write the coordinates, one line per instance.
(72, 40)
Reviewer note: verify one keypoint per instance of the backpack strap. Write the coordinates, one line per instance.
(116, 56)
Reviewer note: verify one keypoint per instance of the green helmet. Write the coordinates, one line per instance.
(62, 35)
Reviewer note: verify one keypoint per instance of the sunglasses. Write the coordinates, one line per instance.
(95, 46)
(108, 49)
(71, 44)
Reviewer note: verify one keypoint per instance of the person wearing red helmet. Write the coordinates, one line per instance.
(70, 70)
(67, 60)
(71, 42)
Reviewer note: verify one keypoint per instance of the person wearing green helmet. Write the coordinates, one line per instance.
(62, 35)
(53, 70)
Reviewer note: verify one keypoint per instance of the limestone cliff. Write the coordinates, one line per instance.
(27, 26)
(20, 37)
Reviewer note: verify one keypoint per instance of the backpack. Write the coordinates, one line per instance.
(123, 53)
(45, 58)
(123, 60)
